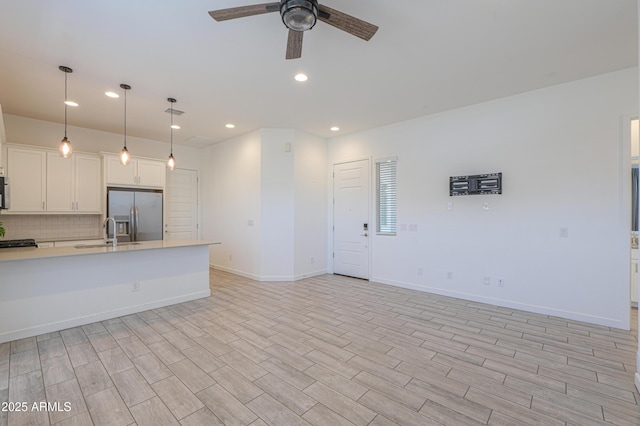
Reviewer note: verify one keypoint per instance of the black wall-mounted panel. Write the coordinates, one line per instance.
(490, 183)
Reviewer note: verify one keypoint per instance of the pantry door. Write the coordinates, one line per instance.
(181, 205)
(351, 219)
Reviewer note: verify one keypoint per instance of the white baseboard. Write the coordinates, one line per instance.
(101, 316)
(266, 278)
(544, 310)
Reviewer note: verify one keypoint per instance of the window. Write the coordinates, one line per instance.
(386, 202)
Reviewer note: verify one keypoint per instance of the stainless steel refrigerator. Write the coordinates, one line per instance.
(137, 212)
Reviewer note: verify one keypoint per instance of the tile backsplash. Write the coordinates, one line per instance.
(51, 227)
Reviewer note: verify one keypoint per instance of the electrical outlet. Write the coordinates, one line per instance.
(449, 275)
(419, 271)
(487, 281)
(135, 286)
(230, 258)
(313, 261)
(500, 282)
(450, 207)
(564, 232)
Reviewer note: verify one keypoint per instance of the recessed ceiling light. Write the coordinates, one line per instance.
(301, 77)
(335, 129)
(112, 94)
(71, 103)
(230, 126)
(175, 126)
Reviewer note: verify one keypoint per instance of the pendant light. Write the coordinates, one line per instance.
(64, 149)
(124, 154)
(171, 162)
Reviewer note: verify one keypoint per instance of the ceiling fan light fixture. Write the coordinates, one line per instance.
(299, 15)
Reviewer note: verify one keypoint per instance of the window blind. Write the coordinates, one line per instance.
(386, 203)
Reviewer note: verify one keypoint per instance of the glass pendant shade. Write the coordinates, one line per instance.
(124, 156)
(64, 149)
(171, 162)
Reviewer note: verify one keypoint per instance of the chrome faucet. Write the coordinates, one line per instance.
(105, 225)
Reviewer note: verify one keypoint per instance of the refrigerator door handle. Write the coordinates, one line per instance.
(132, 225)
(137, 218)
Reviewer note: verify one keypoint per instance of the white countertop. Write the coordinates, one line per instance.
(27, 253)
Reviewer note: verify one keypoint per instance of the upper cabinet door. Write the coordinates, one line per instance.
(117, 174)
(60, 196)
(151, 173)
(88, 188)
(139, 172)
(28, 179)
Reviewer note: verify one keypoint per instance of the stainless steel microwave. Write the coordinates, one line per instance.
(4, 192)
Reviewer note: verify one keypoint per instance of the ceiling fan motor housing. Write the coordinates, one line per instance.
(299, 15)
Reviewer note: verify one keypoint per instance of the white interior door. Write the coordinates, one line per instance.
(181, 220)
(351, 219)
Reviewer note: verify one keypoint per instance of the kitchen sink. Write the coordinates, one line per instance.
(84, 246)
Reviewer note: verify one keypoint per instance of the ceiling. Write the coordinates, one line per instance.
(428, 56)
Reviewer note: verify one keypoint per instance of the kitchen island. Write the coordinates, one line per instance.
(50, 289)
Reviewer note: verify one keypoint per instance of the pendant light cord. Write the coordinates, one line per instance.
(65, 105)
(171, 113)
(125, 118)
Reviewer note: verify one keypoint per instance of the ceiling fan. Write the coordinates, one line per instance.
(300, 16)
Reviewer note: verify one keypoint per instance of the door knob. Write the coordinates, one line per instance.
(364, 235)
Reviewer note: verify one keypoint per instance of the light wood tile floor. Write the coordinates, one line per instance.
(328, 350)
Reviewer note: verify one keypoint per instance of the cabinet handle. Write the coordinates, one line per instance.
(43, 205)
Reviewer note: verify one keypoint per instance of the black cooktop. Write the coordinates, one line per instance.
(17, 243)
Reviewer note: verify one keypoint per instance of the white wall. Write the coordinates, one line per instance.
(265, 200)
(230, 199)
(564, 164)
(277, 204)
(310, 176)
(23, 130)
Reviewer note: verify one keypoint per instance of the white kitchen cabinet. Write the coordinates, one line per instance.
(59, 183)
(73, 184)
(139, 172)
(44, 182)
(88, 187)
(27, 172)
(152, 173)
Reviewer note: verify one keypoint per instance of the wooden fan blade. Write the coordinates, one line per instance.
(348, 23)
(241, 12)
(294, 44)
